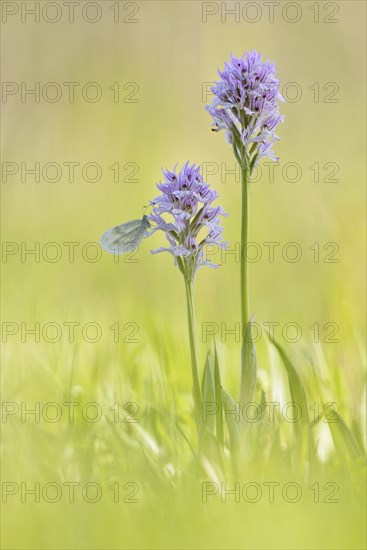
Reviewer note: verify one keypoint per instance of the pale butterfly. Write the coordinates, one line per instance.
(125, 237)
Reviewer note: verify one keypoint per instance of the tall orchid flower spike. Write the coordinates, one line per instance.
(245, 105)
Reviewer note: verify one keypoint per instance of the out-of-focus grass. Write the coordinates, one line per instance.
(169, 124)
(156, 452)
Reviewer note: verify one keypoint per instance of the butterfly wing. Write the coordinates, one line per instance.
(125, 237)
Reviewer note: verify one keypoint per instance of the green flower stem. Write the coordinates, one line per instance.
(193, 348)
(245, 224)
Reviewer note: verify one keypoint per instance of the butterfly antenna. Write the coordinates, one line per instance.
(145, 209)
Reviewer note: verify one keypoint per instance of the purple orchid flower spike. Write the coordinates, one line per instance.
(185, 213)
(194, 222)
(245, 105)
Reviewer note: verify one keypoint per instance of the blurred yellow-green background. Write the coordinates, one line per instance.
(161, 56)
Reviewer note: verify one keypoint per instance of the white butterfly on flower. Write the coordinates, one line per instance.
(125, 237)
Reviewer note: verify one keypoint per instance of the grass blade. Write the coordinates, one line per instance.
(218, 398)
(208, 408)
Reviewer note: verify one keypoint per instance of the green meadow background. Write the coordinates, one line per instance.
(169, 55)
